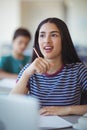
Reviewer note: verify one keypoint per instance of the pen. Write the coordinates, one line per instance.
(36, 52)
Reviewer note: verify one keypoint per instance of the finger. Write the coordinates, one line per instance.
(46, 114)
(40, 62)
(47, 64)
(43, 65)
(42, 111)
(39, 69)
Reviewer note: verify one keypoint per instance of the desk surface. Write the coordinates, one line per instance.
(6, 85)
(71, 119)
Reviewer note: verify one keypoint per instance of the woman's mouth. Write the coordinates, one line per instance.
(48, 48)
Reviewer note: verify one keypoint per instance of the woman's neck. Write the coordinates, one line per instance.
(17, 56)
(57, 65)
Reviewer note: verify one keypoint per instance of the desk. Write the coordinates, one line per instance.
(72, 119)
(6, 85)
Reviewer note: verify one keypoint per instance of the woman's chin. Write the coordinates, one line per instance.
(48, 57)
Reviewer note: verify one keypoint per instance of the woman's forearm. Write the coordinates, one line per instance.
(78, 109)
(21, 86)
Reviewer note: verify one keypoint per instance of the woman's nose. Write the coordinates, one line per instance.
(47, 39)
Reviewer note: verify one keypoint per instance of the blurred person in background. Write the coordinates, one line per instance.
(11, 65)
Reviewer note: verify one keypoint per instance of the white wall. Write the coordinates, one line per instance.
(34, 11)
(29, 13)
(9, 19)
(77, 20)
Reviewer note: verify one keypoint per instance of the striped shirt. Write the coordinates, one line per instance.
(60, 89)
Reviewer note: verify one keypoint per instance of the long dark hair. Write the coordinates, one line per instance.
(69, 54)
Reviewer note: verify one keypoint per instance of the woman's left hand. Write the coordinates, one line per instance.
(55, 111)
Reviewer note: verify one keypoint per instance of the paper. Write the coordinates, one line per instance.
(53, 122)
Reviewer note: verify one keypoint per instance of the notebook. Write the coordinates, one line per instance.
(50, 122)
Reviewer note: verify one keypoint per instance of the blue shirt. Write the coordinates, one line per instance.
(60, 89)
(13, 65)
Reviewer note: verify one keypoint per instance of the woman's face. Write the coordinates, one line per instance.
(20, 44)
(50, 41)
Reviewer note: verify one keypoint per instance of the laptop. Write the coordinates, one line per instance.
(18, 113)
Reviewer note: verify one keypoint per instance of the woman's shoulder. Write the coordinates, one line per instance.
(21, 72)
(78, 66)
(24, 68)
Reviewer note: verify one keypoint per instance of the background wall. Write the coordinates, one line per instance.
(9, 21)
(29, 13)
(33, 12)
(77, 20)
(9, 18)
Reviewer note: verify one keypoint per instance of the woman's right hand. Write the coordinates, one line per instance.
(39, 65)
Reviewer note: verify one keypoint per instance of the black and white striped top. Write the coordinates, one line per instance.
(60, 89)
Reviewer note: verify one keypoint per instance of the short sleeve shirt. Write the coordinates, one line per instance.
(12, 65)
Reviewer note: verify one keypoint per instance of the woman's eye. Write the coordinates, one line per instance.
(42, 35)
(54, 35)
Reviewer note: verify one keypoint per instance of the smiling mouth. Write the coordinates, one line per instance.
(48, 48)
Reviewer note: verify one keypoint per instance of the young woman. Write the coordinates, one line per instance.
(11, 65)
(58, 77)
